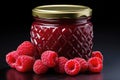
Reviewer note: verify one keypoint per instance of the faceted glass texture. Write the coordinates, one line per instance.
(68, 37)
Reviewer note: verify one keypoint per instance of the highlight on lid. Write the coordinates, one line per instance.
(61, 11)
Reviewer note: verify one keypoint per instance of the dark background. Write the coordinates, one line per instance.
(17, 14)
(16, 19)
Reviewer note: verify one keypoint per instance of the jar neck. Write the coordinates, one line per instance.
(62, 21)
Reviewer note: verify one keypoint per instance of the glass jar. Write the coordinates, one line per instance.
(65, 29)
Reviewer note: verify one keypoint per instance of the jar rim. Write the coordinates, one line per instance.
(61, 11)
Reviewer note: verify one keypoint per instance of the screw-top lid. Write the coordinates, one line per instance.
(61, 11)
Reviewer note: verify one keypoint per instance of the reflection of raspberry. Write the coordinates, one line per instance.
(49, 58)
(95, 64)
(83, 63)
(97, 54)
(38, 77)
(39, 67)
(72, 78)
(10, 75)
(20, 76)
(24, 63)
(96, 77)
(72, 67)
(60, 65)
(26, 48)
(13, 74)
(11, 58)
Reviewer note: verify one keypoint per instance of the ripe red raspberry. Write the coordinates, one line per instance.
(97, 54)
(95, 65)
(26, 48)
(49, 58)
(60, 65)
(24, 63)
(11, 58)
(72, 67)
(39, 67)
(83, 63)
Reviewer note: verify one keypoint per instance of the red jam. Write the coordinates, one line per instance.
(69, 37)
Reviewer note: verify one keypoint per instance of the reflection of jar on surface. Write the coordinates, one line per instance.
(65, 29)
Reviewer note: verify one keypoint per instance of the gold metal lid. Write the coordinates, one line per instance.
(61, 11)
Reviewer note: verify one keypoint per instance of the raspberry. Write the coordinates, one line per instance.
(60, 66)
(24, 63)
(39, 67)
(97, 54)
(11, 58)
(26, 48)
(72, 67)
(83, 63)
(95, 65)
(49, 58)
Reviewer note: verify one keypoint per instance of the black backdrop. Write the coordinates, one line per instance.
(17, 14)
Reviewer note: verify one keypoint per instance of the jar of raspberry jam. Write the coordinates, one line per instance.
(65, 29)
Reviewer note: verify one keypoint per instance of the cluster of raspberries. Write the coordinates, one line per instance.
(23, 60)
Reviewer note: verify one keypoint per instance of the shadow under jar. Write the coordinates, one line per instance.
(65, 29)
